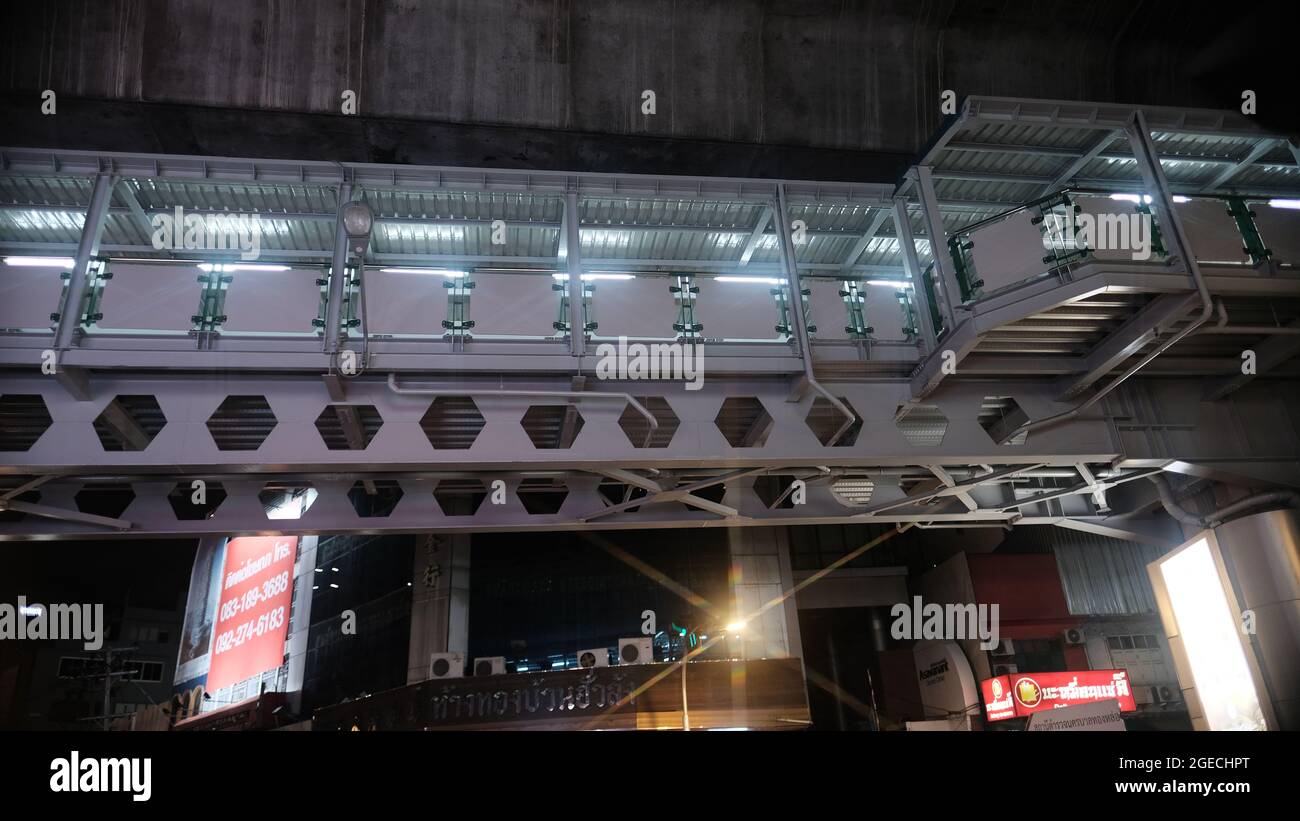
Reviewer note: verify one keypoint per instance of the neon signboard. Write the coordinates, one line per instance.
(1022, 694)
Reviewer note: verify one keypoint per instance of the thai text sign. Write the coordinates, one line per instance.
(253, 614)
(1023, 694)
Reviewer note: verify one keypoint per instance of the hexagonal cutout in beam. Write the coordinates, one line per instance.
(241, 422)
(824, 420)
(23, 418)
(744, 422)
(775, 490)
(853, 491)
(999, 415)
(196, 500)
(921, 425)
(129, 423)
(452, 423)
(109, 500)
(637, 428)
(375, 498)
(713, 493)
(460, 497)
(552, 427)
(281, 500)
(616, 493)
(542, 495)
(348, 427)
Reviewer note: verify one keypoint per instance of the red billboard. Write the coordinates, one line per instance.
(1021, 694)
(253, 614)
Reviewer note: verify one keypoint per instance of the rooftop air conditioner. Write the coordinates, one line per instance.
(639, 650)
(489, 666)
(446, 665)
(596, 657)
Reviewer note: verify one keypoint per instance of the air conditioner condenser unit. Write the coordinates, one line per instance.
(446, 665)
(489, 666)
(639, 650)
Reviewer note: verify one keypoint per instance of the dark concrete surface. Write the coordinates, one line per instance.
(843, 75)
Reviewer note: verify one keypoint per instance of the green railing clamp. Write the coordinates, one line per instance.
(959, 248)
(684, 293)
(854, 299)
(212, 302)
(1245, 219)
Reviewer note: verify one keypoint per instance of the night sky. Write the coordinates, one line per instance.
(153, 573)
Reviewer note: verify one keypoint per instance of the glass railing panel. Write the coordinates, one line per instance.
(28, 295)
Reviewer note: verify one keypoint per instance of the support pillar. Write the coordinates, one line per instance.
(761, 575)
(440, 601)
(573, 260)
(938, 241)
(793, 289)
(91, 230)
(296, 646)
(1157, 185)
(907, 245)
(338, 275)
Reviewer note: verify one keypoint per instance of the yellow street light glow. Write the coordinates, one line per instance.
(735, 627)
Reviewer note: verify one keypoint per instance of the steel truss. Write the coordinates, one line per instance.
(1001, 497)
(925, 442)
(943, 470)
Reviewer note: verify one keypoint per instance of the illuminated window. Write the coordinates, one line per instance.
(1208, 627)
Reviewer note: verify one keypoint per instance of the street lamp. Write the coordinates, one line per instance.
(358, 220)
(732, 628)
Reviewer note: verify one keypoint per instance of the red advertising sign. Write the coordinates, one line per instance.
(253, 616)
(1021, 694)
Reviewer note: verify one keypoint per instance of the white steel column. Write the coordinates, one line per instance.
(938, 241)
(573, 260)
(91, 230)
(920, 299)
(338, 274)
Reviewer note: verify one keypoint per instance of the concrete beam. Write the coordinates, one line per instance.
(328, 139)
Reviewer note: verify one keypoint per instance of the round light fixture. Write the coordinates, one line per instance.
(358, 219)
